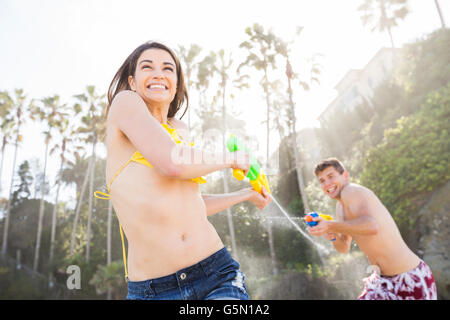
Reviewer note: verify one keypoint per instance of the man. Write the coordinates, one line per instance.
(399, 273)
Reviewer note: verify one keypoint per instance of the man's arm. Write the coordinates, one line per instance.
(218, 202)
(362, 222)
(342, 243)
(363, 226)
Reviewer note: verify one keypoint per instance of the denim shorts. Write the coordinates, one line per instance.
(214, 278)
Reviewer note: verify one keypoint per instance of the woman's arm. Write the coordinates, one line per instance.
(218, 202)
(129, 112)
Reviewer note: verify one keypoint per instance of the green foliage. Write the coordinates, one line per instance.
(405, 131)
(21, 284)
(413, 158)
(23, 188)
(318, 200)
(23, 229)
(426, 65)
(344, 130)
(307, 283)
(382, 15)
(109, 277)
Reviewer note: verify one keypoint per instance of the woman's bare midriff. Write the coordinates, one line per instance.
(164, 219)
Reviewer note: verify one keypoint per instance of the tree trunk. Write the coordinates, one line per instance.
(301, 184)
(41, 213)
(298, 165)
(1, 163)
(266, 89)
(230, 218)
(55, 210)
(225, 173)
(188, 74)
(8, 205)
(91, 198)
(77, 211)
(391, 38)
(273, 256)
(440, 13)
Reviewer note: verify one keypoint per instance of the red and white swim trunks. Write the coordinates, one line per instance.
(417, 284)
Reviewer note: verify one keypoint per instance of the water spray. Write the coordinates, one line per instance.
(319, 246)
(258, 180)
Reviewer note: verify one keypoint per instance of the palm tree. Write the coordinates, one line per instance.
(205, 74)
(70, 175)
(66, 139)
(188, 56)
(108, 279)
(284, 49)
(262, 54)
(51, 114)
(93, 127)
(207, 69)
(224, 70)
(383, 14)
(440, 13)
(261, 48)
(75, 170)
(6, 127)
(17, 106)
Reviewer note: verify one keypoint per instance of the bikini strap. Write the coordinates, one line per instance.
(107, 196)
(124, 254)
(102, 195)
(191, 143)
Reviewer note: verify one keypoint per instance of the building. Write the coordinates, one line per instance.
(359, 84)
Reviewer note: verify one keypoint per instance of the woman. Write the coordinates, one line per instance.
(173, 250)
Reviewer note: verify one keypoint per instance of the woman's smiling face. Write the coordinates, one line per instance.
(155, 78)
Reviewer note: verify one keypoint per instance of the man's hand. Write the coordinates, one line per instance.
(260, 201)
(322, 228)
(330, 236)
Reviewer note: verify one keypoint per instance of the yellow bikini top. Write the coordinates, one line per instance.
(139, 158)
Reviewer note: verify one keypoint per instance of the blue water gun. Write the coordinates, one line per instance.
(310, 222)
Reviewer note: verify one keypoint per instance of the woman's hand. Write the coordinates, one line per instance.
(260, 201)
(241, 161)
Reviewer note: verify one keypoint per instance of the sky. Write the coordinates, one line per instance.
(52, 47)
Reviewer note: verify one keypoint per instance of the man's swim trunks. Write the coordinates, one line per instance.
(417, 284)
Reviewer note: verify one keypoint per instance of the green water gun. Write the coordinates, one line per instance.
(255, 175)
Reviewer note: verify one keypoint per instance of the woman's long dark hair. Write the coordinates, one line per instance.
(128, 68)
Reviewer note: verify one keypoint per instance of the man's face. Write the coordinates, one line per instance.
(332, 182)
